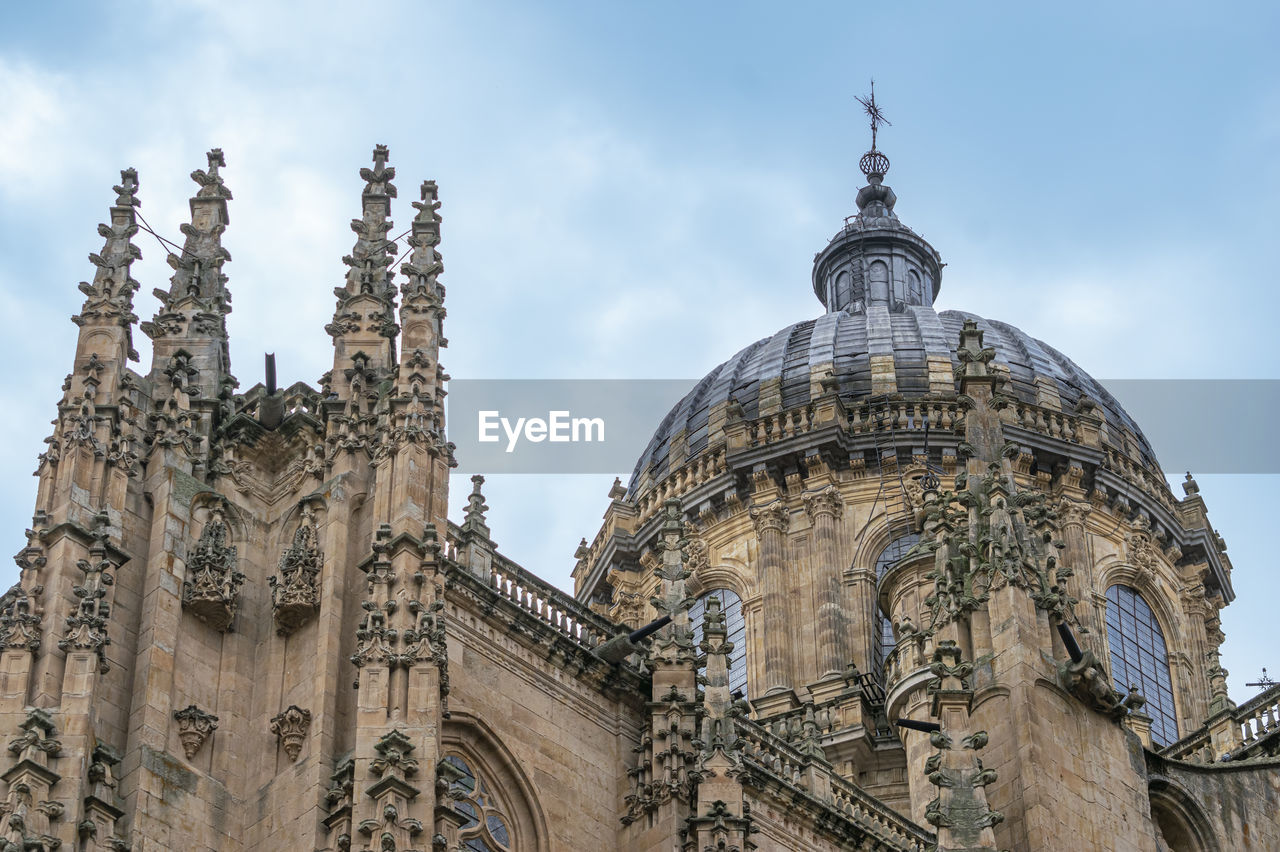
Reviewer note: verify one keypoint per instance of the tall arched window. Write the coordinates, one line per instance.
(486, 828)
(735, 624)
(1139, 657)
(879, 283)
(915, 291)
(883, 635)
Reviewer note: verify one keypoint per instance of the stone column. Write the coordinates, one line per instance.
(771, 524)
(1075, 554)
(824, 508)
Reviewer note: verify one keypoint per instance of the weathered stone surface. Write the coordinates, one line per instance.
(208, 574)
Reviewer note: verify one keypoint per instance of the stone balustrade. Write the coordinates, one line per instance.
(945, 415)
(769, 752)
(1046, 421)
(1234, 734)
(772, 428)
(549, 604)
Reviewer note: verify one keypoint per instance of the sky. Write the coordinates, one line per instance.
(637, 191)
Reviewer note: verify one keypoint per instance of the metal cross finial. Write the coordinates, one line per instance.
(873, 110)
(1265, 683)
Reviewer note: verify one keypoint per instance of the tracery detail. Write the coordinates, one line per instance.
(486, 825)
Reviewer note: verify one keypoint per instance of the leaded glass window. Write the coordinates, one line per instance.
(486, 825)
(1139, 657)
(883, 635)
(735, 624)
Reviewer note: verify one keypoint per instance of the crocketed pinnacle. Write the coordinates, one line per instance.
(109, 299)
(424, 264)
(371, 257)
(474, 520)
(198, 300)
(198, 270)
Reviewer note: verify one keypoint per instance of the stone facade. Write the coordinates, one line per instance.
(245, 622)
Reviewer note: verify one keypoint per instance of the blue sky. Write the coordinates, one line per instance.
(638, 191)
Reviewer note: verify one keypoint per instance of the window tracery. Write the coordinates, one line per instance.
(486, 827)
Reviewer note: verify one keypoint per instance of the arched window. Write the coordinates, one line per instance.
(844, 294)
(1139, 657)
(893, 551)
(486, 828)
(915, 292)
(879, 283)
(735, 624)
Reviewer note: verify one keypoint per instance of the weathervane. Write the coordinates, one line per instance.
(873, 163)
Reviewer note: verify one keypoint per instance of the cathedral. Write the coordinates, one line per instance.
(890, 579)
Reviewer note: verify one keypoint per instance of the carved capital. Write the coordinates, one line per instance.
(825, 502)
(774, 517)
(291, 727)
(194, 727)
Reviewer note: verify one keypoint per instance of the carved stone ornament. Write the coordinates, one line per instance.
(1088, 680)
(291, 727)
(194, 727)
(295, 594)
(86, 626)
(213, 582)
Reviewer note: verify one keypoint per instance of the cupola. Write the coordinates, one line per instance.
(875, 259)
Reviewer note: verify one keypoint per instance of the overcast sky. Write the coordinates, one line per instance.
(638, 191)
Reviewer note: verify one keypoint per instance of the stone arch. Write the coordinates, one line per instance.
(870, 542)
(1178, 818)
(289, 520)
(202, 506)
(728, 573)
(469, 737)
(1114, 572)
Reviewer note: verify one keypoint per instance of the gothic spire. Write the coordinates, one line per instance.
(364, 327)
(193, 313)
(109, 299)
(197, 271)
(422, 308)
(370, 259)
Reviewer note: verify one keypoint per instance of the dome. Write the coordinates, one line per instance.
(848, 341)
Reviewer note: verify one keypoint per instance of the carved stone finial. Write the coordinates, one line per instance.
(474, 519)
(194, 727)
(291, 726)
(617, 491)
(1190, 486)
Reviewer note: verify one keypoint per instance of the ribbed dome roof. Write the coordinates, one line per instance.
(848, 340)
